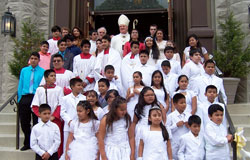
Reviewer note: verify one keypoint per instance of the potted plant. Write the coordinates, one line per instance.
(231, 57)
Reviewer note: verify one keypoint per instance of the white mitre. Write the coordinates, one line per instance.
(123, 20)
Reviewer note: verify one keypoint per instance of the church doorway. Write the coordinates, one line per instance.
(144, 21)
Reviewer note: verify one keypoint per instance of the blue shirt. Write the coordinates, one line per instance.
(74, 49)
(24, 80)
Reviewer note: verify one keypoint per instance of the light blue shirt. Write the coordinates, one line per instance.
(24, 80)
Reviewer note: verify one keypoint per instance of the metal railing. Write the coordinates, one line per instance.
(231, 128)
(13, 100)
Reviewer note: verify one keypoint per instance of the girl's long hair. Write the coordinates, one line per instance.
(140, 74)
(155, 50)
(112, 116)
(95, 94)
(141, 102)
(162, 83)
(87, 106)
(163, 128)
(179, 78)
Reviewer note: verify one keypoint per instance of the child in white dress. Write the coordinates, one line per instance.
(191, 99)
(146, 100)
(154, 141)
(82, 141)
(157, 84)
(92, 98)
(109, 97)
(133, 93)
(114, 138)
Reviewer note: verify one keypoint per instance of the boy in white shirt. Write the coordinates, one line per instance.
(192, 144)
(211, 95)
(216, 136)
(83, 66)
(128, 64)
(45, 136)
(68, 107)
(145, 68)
(170, 79)
(177, 121)
(208, 78)
(193, 69)
(56, 32)
(169, 54)
(109, 73)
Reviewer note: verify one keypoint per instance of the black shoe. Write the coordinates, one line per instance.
(24, 148)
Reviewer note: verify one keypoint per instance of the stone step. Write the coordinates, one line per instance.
(9, 140)
(243, 108)
(8, 117)
(7, 128)
(240, 118)
(10, 153)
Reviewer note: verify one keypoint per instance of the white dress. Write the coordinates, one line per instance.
(141, 123)
(160, 96)
(99, 113)
(117, 141)
(84, 146)
(132, 102)
(161, 47)
(155, 148)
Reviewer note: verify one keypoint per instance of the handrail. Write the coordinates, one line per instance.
(13, 100)
(231, 128)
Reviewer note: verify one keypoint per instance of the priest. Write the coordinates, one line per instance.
(120, 39)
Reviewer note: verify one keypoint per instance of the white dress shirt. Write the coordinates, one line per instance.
(45, 137)
(216, 142)
(68, 108)
(205, 80)
(147, 71)
(53, 48)
(175, 65)
(191, 147)
(170, 82)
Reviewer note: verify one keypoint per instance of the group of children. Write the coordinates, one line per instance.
(169, 112)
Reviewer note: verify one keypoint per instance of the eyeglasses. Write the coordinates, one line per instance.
(57, 61)
(149, 95)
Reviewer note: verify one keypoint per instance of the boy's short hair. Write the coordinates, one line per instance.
(166, 63)
(57, 55)
(168, 48)
(92, 31)
(214, 108)
(69, 37)
(65, 28)
(107, 37)
(104, 80)
(209, 61)
(134, 42)
(109, 67)
(35, 54)
(44, 107)
(194, 119)
(44, 42)
(47, 72)
(60, 41)
(55, 28)
(73, 81)
(211, 87)
(144, 52)
(177, 97)
(193, 51)
(85, 41)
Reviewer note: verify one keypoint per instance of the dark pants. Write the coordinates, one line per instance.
(53, 157)
(25, 113)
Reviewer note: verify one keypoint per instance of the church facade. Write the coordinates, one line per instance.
(190, 16)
